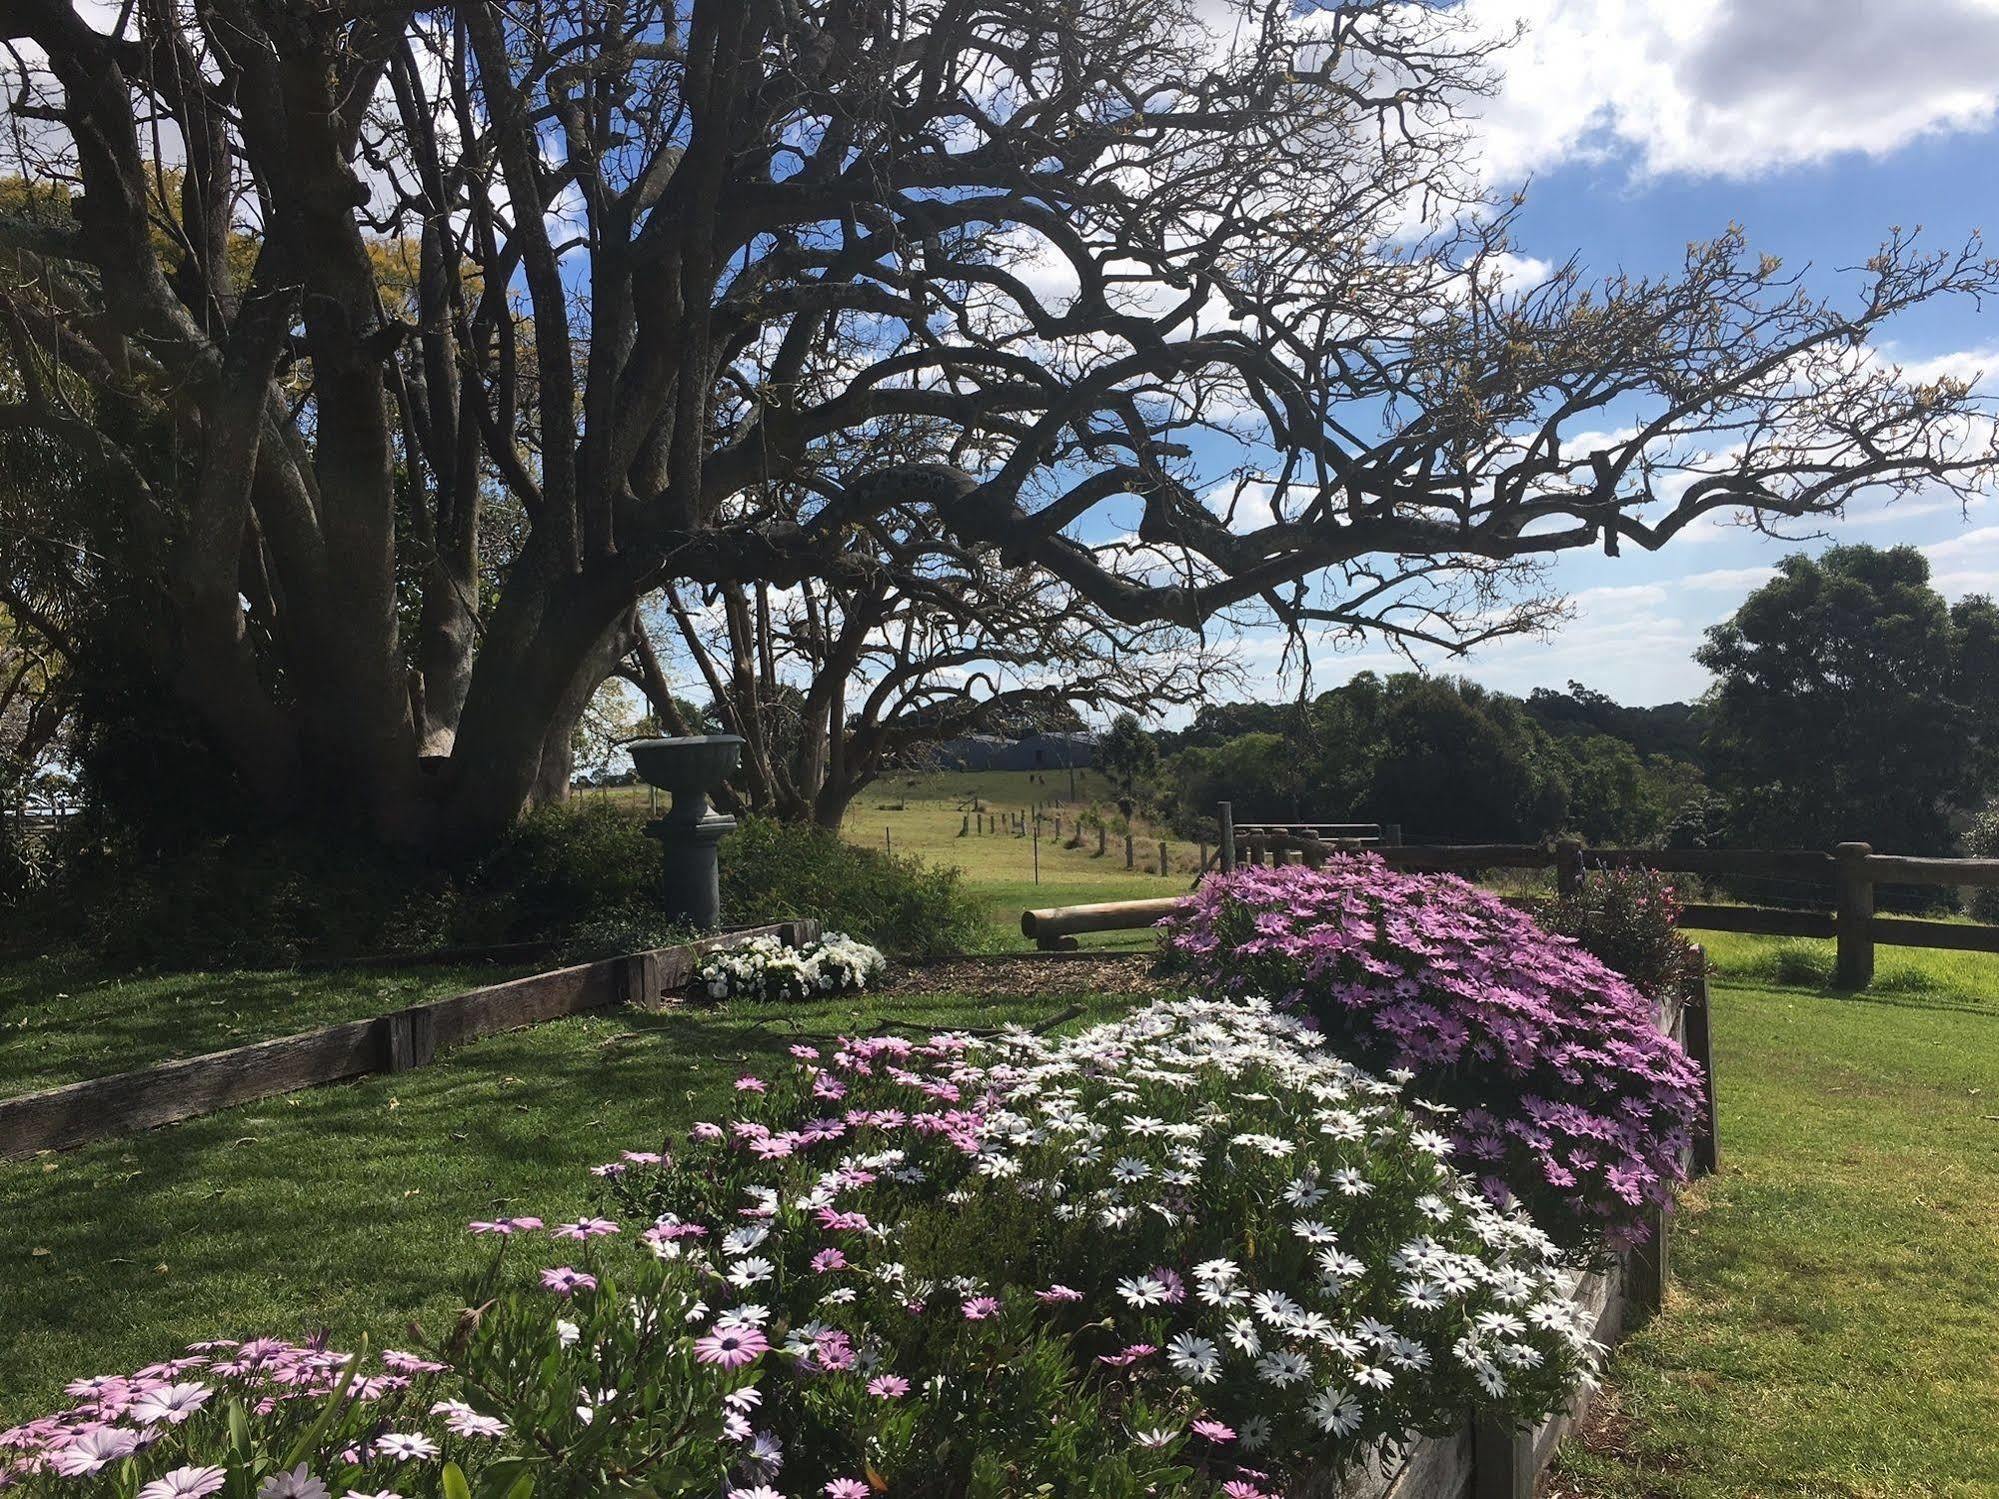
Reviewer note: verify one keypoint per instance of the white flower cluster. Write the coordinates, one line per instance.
(764, 968)
(1333, 1276)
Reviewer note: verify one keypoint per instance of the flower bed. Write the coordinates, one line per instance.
(765, 968)
(1569, 1097)
(1187, 1254)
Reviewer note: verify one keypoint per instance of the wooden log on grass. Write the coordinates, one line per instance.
(1056, 922)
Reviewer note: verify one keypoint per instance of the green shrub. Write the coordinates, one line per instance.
(561, 868)
(1629, 918)
(774, 871)
(1982, 842)
(587, 877)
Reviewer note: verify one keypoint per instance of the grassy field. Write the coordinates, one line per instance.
(1833, 1325)
(62, 1024)
(923, 815)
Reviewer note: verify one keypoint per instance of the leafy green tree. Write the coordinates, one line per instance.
(1850, 702)
(1129, 759)
(1606, 790)
(1459, 762)
(1263, 775)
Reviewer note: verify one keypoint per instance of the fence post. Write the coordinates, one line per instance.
(1502, 1460)
(412, 1039)
(1202, 868)
(1853, 965)
(1102, 835)
(1391, 834)
(1225, 814)
(1568, 868)
(1129, 851)
(1700, 1046)
(1162, 856)
(1646, 1270)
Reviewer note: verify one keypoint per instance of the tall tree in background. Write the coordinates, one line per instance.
(1852, 702)
(1127, 757)
(1139, 280)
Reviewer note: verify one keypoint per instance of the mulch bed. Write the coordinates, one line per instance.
(1025, 975)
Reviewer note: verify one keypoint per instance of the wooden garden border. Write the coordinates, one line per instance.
(62, 1118)
(1486, 1460)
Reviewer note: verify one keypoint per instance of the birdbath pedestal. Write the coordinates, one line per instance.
(689, 770)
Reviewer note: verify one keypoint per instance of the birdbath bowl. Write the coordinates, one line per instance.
(689, 770)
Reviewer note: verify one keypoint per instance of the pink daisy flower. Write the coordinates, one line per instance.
(731, 1347)
(185, 1483)
(566, 1282)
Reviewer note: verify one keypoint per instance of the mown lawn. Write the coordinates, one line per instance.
(60, 1024)
(1833, 1327)
(922, 815)
(345, 1207)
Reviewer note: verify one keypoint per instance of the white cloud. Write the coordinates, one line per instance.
(1735, 87)
(1965, 564)
(1728, 579)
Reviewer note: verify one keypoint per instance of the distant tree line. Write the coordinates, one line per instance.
(1850, 702)
(1443, 756)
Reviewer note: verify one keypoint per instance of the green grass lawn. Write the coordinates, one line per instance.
(344, 1207)
(1833, 1326)
(923, 814)
(60, 1024)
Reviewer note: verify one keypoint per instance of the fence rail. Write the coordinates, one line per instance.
(1851, 872)
(100, 1107)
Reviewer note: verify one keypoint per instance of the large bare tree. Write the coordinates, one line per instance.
(411, 345)
(832, 683)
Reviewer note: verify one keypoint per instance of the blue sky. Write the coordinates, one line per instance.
(1640, 125)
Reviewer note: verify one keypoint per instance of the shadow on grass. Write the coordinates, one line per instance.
(61, 1025)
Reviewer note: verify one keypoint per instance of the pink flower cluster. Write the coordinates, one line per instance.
(119, 1416)
(1568, 1095)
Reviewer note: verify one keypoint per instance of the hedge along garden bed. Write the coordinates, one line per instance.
(1013, 1354)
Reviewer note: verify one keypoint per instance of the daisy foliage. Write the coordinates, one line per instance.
(764, 968)
(1190, 1253)
(1567, 1096)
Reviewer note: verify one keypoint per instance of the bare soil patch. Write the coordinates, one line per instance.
(1026, 975)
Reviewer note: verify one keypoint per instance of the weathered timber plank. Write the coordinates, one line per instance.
(126, 1102)
(1767, 863)
(1766, 920)
(1901, 869)
(528, 1001)
(1908, 931)
(1469, 856)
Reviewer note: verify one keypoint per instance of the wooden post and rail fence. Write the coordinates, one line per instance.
(1848, 875)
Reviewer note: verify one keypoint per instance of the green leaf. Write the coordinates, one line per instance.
(455, 1486)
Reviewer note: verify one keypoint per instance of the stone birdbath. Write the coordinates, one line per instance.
(689, 770)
